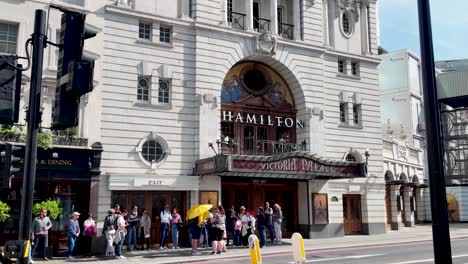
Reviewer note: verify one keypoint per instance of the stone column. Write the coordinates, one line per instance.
(409, 215)
(297, 19)
(364, 29)
(274, 16)
(396, 217)
(224, 12)
(184, 9)
(249, 15)
(326, 40)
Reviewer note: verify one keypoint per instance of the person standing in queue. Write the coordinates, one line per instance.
(89, 232)
(133, 221)
(261, 226)
(145, 227)
(73, 231)
(120, 233)
(165, 223)
(246, 227)
(218, 225)
(269, 221)
(277, 221)
(195, 226)
(175, 227)
(40, 233)
(230, 223)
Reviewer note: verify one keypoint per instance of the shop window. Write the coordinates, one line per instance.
(8, 38)
(165, 34)
(164, 91)
(343, 112)
(342, 66)
(144, 30)
(143, 88)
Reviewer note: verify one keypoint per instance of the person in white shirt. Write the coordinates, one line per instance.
(165, 220)
(120, 233)
(246, 227)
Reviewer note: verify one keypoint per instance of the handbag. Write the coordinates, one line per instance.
(90, 231)
(180, 224)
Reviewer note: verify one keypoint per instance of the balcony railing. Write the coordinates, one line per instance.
(261, 25)
(237, 20)
(286, 30)
(260, 147)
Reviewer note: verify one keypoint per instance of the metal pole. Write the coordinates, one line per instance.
(39, 39)
(440, 225)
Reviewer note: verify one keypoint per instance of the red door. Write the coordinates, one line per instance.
(352, 214)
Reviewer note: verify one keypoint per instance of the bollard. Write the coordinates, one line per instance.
(255, 256)
(298, 249)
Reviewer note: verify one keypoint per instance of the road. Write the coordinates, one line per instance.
(397, 253)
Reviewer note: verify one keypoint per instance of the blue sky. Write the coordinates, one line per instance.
(399, 27)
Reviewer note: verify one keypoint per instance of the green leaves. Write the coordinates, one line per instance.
(53, 208)
(4, 211)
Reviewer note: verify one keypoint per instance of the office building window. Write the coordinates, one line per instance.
(343, 112)
(342, 66)
(164, 91)
(165, 34)
(143, 88)
(8, 38)
(357, 114)
(355, 68)
(144, 31)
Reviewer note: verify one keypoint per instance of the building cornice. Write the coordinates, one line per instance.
(403, 163)
(337, 53)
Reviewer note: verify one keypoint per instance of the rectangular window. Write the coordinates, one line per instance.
(143, 88)
(357, 114)
(280, 15)
(144, 31)
(355, 68)
(74, 2)
(343, 111)
(165, 34)
(229, 11)
(341, 66)
(164, 91)
(8, 38)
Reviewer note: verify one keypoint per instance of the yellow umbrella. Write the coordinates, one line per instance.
(198, 210)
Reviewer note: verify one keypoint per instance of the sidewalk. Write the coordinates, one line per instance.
(418, 233)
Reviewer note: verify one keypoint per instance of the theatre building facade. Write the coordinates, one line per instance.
(243, 102)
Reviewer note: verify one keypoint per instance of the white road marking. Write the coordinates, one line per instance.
(341, 258)
(426, 260)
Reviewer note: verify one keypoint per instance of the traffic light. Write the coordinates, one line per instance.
(74, 71)
(10, 89)
(9, 156)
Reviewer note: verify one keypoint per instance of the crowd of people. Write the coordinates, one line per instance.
(223, 226)
(217, 228)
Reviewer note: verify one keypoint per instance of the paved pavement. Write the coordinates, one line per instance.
(414, 234)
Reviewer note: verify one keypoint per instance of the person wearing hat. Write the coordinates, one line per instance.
(73, 231)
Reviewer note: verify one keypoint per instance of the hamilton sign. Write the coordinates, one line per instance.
(259, 119)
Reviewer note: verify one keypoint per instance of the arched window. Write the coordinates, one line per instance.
(350, 158)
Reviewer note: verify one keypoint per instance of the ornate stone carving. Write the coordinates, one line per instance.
(352, 6)
(266, 44)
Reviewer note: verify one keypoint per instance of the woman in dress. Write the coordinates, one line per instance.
(89, 232)
(277, 220)
(175, 228)
(145, 227)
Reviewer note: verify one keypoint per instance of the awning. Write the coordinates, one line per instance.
(292, 165)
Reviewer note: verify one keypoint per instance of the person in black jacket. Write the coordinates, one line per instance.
(261, 225)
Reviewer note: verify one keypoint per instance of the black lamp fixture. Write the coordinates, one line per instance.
(367, 155)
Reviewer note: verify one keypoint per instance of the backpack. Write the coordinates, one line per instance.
(110, 223)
